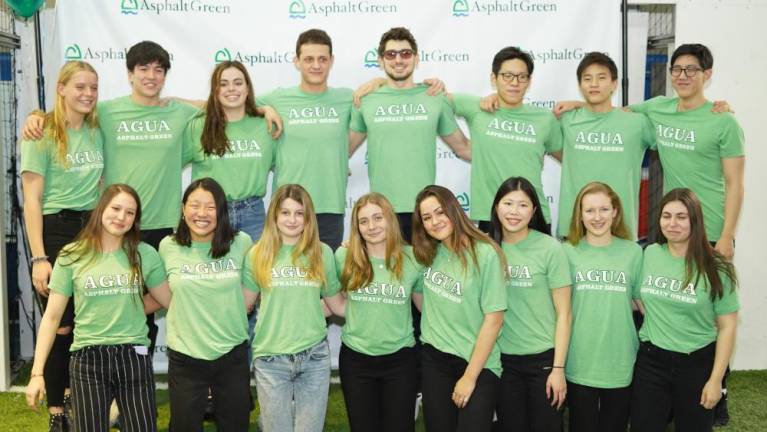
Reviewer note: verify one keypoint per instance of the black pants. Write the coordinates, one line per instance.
(440, 373)
(379, 391)
(101, 373)
(666, 380)
(331, 227)
(523, 405)
(58, 230)
(153, 238)
(598, 409)
(227, 378)
(406, 226)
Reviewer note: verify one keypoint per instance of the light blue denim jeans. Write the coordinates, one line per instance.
(293, 389)
(247, 215)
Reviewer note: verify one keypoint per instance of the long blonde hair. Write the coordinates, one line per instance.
(268, 246)
(357, 271)
(55, 122)
(578, 230)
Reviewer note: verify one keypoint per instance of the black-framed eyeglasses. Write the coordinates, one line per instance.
(509, 77)
(404, 54)
(689, 71)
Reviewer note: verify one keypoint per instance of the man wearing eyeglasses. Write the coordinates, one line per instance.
(699, 149)
(511, 140)
(401, 122)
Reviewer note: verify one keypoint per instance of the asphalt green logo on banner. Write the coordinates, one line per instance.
(252, 59)
(371, 58)
(298, 9)
(436, 55)
(462, 8)
(222, 55)
(73, 52)
(95, 54)
(463, 200)
(158, 7)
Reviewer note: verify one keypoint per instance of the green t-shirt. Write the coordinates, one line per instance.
(378, 316)
(679, 318)
(144, 147)
(603, 339)
(402, 128)
(537, 265)
(73, 185)
(506, 143)
(456, 300)
(605, 147)
(290, 319)
(243, 170)
(206, 317)
(314, 147)
(109, 309)
(691, 146)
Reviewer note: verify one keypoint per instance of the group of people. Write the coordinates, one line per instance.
(486, 313)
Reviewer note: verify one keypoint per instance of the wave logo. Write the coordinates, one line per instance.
(460, 8)
(297, 9)
(371, 58)
(73, 52)
(222, 55)
(129, 7)
(463, 200)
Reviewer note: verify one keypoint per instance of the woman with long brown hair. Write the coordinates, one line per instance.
(106, 271)
(379, 277)
(60, 176)
(605, 267)
(291, 270)
(464, 299)
(691, 316)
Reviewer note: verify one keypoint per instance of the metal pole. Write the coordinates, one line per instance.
(39, 64)
(625, 64)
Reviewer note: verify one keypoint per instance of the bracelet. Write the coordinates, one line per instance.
(39, 258)
(33, 375)
(558, 367)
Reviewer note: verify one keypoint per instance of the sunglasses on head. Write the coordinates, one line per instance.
(404, 54)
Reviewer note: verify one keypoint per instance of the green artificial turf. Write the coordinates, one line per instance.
(747, 402)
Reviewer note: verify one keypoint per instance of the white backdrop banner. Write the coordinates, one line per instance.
(457, 41)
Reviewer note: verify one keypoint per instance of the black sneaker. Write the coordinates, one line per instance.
(721, 414)
(58, 423)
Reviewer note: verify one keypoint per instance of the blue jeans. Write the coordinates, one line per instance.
(299, 381)
(247, 215)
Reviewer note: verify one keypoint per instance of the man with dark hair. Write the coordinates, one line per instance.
(401, 122)
(703, 151)
(314, 151)
(699, 149)
(602, 143)
(510, 141)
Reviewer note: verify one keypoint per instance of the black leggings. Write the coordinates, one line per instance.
(598, 409)
(58, 230)
(440, 373)
(379, 391)
(666, 380)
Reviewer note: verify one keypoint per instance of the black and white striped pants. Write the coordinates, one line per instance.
(101, 373)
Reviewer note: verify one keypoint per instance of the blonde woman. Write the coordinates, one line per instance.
(379, 278)
(290, 269)
(60, 175)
